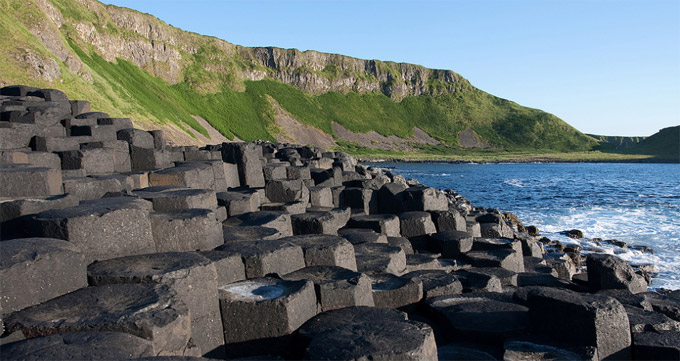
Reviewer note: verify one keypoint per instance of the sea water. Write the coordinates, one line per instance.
(635, 203)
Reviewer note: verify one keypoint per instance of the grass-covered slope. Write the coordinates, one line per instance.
(132, 64)
(665, 144)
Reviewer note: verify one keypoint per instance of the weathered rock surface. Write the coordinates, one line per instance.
(282, 232)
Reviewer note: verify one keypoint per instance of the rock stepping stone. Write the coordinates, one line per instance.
(380, 257)
(361, 235)
(239, 202)
(523, 350)
(420, 198)
(152, 312)
(473, 281)
(79, 346)
(449, 220)
(428, 261)
(316, 222)
(191, 175)
(22, 181)
(602, 320)
(365, 333)
(102, 229)
(320, 197)
(416, 223)
(387, 224)
(436, 283)
(34, 270)
(463, 353)
(453, 244)
(229, 267)
(479, 319)
(191, 276)
(186, 230)
(271, 219)
(266, 257)
(610, 272)
(247, 158)
(325, 250)
(504, 258)
(336, 287)
(656, 345)
(249, 233)
(265, 307)
(390, 291)
(15, 208)
(172, 198)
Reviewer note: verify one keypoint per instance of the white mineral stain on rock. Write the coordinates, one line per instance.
(254, 291)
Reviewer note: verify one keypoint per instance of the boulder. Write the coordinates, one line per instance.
(421, 198)
(325, 250)
(172, 198)
(380, 257)
(390, 291)
(602, 321)
(610, 272)
(34, 270)
(192, 229)
(387, 224)
(152, 312)
(247, 158)
(79, 346)
(359, 333)
(416, 223)
(265, 307)
(336, 287)
(262, 258)
(101, 229)
(22, 181)
(436, 282)
(191, 276)
(481, 319)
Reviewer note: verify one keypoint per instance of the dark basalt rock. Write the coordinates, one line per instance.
(120, 199)
(367, 333)
(79, 346)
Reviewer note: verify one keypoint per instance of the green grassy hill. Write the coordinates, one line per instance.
(134, 65)
(665, 145)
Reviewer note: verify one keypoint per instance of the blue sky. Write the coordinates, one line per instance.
(604, 66)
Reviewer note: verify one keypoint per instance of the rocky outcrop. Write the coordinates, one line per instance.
(114, 240)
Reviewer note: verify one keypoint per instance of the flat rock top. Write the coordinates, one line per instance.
(373, 217)
(413, 215)
(325, 274)
(253, 248)
(376, 249)
(183, 167)
(23, 250)
(315, 240)
(388, 281)
(169, 192)
(79, 346)
(248, 233)
(365, 333)
(97, 207)
(182, 213)
(260, 289)
(451, 235)
(106, 307)
(257, 218)
(147, 267)
(330, 320)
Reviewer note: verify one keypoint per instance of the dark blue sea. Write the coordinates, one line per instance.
(635, 203)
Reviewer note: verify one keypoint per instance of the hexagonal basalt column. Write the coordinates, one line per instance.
(325, 250)
(190, 275)
(336, 287)
(265, 307)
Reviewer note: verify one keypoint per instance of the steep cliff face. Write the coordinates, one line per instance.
(131, 63)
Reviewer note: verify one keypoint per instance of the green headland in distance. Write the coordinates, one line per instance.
(134, 65)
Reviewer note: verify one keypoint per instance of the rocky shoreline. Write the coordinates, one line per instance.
(118, 246)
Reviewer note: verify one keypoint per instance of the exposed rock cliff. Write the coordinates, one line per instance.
(129, 63)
